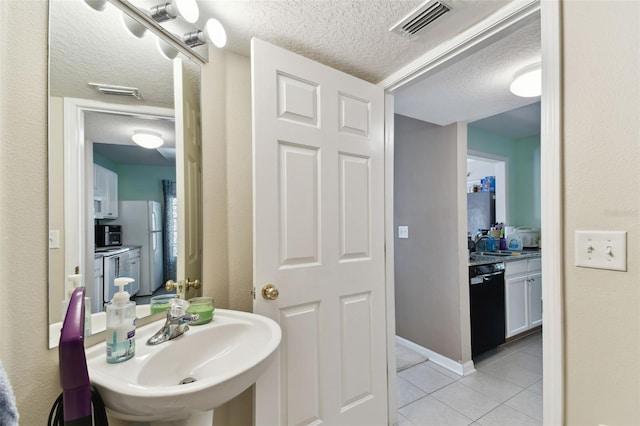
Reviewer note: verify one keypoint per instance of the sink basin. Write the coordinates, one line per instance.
(225, 357)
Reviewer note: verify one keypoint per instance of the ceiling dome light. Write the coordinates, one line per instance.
(188, 9)
(147, 139)
(527, 82)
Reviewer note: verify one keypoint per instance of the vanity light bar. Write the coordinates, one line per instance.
(110, 89)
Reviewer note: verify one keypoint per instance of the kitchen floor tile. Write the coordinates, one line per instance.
(406, 357)
(504, 415)
(467, 401)
(537, 387)
(512, 372)
(492, 386)
(428, 411)
(407, 392)
(425, 377)
(527, 361)
(506, 389)
(403, 421)
(527, 402)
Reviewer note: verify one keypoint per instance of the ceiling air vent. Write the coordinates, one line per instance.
(110, 89)
(417, 20)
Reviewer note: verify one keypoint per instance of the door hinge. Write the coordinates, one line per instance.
(253, 293)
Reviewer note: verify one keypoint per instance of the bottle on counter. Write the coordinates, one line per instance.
(121, 324)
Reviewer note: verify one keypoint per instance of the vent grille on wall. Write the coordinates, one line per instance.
(109, 89)
(418, 20)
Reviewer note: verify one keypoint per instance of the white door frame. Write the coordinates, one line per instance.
(466, 43)
(78, 214)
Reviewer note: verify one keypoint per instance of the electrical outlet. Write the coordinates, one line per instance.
(601, 250)
(403, 231)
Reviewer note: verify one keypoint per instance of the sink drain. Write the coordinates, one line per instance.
(187, 380)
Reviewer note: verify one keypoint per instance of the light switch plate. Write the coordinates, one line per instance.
(403, 231)
(601, 249)
(54, 239)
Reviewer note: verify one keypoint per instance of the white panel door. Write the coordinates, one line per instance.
(188, 179)
(318, 148)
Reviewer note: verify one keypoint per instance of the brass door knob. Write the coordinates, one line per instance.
(170, 285)
(195, 284)
(270, 292)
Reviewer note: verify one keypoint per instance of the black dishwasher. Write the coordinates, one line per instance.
(486, 300)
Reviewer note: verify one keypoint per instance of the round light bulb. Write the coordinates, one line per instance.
(527, 82)
(166, 50)
(97, 5)
(133, 26)
(215, 33)
(188, 9)
(147, 139)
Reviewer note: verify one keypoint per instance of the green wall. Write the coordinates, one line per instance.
(523, 156)
(138, 182)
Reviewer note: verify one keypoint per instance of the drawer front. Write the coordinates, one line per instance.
(535, 265)
(514, 268)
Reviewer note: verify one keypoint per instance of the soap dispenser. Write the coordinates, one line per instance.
(121, 324)
(75, 281)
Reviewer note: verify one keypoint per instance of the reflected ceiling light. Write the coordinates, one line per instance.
(213, 32)
(98, 5)
(527, 82)
(147, 139)
(166, 50)
(188, 9)
(134, 27)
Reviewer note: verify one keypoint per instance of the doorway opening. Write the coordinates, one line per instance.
(481, 165)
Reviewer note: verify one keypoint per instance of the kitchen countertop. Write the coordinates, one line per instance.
(489, 257)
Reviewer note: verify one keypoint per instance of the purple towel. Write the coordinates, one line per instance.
(8, 410)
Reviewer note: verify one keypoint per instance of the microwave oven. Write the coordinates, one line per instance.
(108, 235)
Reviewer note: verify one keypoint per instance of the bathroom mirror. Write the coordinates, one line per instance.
(105, 84)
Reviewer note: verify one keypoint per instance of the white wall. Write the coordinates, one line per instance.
(601, 43)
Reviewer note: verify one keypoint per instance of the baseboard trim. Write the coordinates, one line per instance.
(461, 369)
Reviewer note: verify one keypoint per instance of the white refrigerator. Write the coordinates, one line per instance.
(142, 226)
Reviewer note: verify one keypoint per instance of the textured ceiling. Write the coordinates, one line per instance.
(478, 85)
(349, 35)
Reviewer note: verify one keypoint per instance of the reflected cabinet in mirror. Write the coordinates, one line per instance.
(124, 161)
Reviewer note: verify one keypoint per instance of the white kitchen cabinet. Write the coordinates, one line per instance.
(98, 275)
(523, 295)
(535, 299)
(134, 269)
(105, 193)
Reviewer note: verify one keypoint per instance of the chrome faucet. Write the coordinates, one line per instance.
(176, 323)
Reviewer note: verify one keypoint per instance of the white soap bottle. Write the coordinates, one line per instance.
(121, 324)
(76, 281)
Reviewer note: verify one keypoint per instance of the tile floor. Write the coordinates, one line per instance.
(506, 389)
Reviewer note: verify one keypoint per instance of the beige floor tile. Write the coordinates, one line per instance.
(467, 401)
(407, 392)
(537, 387)
(425, 377)
(428, 411)
(527, 402)
(492, 386)
(507, 416)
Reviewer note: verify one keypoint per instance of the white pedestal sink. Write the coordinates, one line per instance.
(225, 357)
